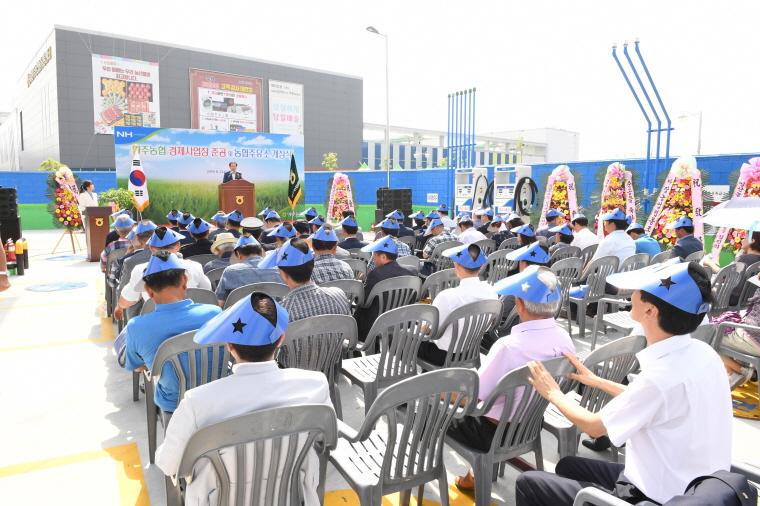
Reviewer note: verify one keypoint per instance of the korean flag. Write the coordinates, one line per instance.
(138, 184)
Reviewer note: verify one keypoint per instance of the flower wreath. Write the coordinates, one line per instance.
(341, 197)
(617, 193)
(560, 193)
(748, 185)
(63, 192)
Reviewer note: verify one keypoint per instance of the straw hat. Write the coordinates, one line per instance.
(223, 238)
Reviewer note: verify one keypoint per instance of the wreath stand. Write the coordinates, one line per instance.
(73, 238)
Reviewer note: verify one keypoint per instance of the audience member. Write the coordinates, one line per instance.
(564, 236)
(199, 231)
(173, 217)
(303, 229)
(750, 254)
(551, 222)
(403, 231)
(249, 255)
(265, 212)
(642, 241)
(140, 255)
(254, 227)
(468, 259)
(184, 220)
(220, 222)
(538, 293)
(165, 280)
(389, 228)
(419, 221)
(123, 226)
(582, 236)
(687, 243)
(443, 212)
(350, 229)
(439, 235)
(315, 223)
(326, 266)
(271, 221)
(233, 222)
(678, 397)
(309, 214)
(296, 263)
(253, 330)
(486, 217)
(113, 235)
(617, 243)
(281, 234)
(743, 340)
(469, 233)
(476, 216)
(514, 221)
(222, 247)
(525, 234)
(500, 236)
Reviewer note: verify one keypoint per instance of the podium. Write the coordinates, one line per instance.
(238, 194)
(97, 227)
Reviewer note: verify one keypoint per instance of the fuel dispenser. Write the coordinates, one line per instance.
(508, 181)
(471, 188)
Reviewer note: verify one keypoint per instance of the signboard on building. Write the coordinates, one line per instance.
(285, 108)
(125, 93)
(41, 63)
(225, 102)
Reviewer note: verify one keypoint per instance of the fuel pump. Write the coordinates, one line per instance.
(510, 181)
(471, 188)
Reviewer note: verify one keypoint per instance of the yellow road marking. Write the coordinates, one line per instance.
(15, 283)
(129, 471)
(53, 304)
(106, 334)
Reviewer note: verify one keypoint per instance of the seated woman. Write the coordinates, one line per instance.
(564, 237)
(750, 254)
(526, 234)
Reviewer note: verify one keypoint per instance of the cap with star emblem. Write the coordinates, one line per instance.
(670, 282)
(497, 219)
(384, 244)
(435, 223)
(462, 215)
(236, 216)
(317, 221)
(144, 226)
(163, 237)
(524, 230)
(242, 324)
(419, 215)
(349, 221)
(512, 216)
(562, 229)
(463, 255)
(617, 214)
(633, 226)
(244, 241)
(286, 256)
(683, 221)
(527, 285)
(532, 253)
(198, 226)
(443, 207)
(160, 261)
(577, 216)
(553, 213)
(486, 212)
(389, 223)
(186, 218)
(266, 211)
(310, 213)
(395, 214)
(282, 231)
(272, 215)
(433, 215)
(324, 234)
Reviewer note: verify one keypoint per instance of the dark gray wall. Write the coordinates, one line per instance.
(333, 119)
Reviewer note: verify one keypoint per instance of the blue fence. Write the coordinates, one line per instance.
(30, 186)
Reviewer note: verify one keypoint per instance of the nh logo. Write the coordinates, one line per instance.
(123, 134)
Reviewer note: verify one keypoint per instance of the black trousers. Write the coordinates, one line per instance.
(475, 431)
(429, 352)
(539, 488)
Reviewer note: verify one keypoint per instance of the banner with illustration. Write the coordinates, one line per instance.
(125, 93)
(225, 102)
(560, 194)
(748, 185)
(681, 195)
(285, 108)
(617, 193)
(185, 167)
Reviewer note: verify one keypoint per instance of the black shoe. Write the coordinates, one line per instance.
(597, 444)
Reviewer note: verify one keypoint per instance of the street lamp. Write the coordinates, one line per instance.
(683, 117)
(374, 30)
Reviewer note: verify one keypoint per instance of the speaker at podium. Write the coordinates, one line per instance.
(238, 194)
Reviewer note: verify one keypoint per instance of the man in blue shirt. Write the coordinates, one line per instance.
(166, 283)
(687, 243)
(644, 243)
(249, 253)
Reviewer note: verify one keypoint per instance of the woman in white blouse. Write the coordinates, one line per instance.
(87, 198)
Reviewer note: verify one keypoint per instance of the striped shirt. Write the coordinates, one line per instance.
(403, 251)
(436, 240)
(118, 244)
(310, 300)
(328, 268)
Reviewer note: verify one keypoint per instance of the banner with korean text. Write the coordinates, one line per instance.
(185, 167)
(125, 93)
(285, 108)
(225, 102)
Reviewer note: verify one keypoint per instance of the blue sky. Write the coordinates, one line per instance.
(211, 168)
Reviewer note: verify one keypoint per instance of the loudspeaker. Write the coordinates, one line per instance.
(10, 228)
(8, 203)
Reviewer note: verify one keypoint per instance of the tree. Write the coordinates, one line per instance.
(330, 161)
(120, 196)
(50, 165)
(442, 162)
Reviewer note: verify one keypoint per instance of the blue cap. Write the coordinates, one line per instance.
(578, 215)
(281, 231)
(633, 226)
(286, 256)
(524, 230)
(123, 220)
(443, 207)
(245, 240)
(683, 221)
(131, 235)
(562, 229)
(317, 221)
(187, 221)
(349, 221)
(144, 226)
(462, 215)
(670, 282)
(617, 214)
(384, 244)
(272, 214)
(236, 216)
(498, 219)
(419, 215)
(533, 252)
(241, 324)
(460, 255)
(198, 226)
(432, 215)
(553, 213)
(324, 235)
(119, 213)
(174, 215)
(395, 214)
(527, 286)
(164, 237)
(511, 216)
(220, 217)
(435, 223)
(487, 212)
(156, 264)
(266, 211)
(389, 224)
(309, 212)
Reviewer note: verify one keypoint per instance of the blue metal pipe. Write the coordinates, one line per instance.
(448, 126)
(465, 128)
(657, 94)
(472, 105)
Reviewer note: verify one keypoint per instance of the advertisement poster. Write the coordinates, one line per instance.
(225, 102)
(125, 93)
(183, 168)
(285, 108)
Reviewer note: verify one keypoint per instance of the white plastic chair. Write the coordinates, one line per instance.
(410, 261)
(748, 289)
(358, 266)
(723, 284)
(275, 290)
(215, 276)
(566, 252)
(497, 266)
(661, 257)
(353, 289)
(203, 259)
(567, 271)
(438, 282)
(596, 278)
(487, 246)
(511, 244)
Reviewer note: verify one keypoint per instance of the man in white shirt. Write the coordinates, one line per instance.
(469, 233)
(675, 417)
(468, 259)
(163, 239)
(253, 329)
(617, 243)
(582, 236)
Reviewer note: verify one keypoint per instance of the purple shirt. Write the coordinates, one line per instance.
(533, 340)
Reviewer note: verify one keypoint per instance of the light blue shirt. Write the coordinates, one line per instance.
(648, 245)
(147, 332)
(245, 273)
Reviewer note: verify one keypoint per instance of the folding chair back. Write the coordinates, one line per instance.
(568, 271)
(487, 246)
(695, 257)
(363, 255)
(661, 257)
(203, 259)
(202, 296)
(588, 252)
(394, 292)
(497, 267)
(358, 266)
(439, 261)
(634, 262)
(748, 289)
(409, 240)
(215, 276)
(598, 271)
(410, 261)
(551, 241)
(266, 448)
(506, 321)
(353, 289)
(566, 252)
(438, 282)
(109, 291)
(705, 333)
(511, 244)
(722, 285)
(275, 290)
